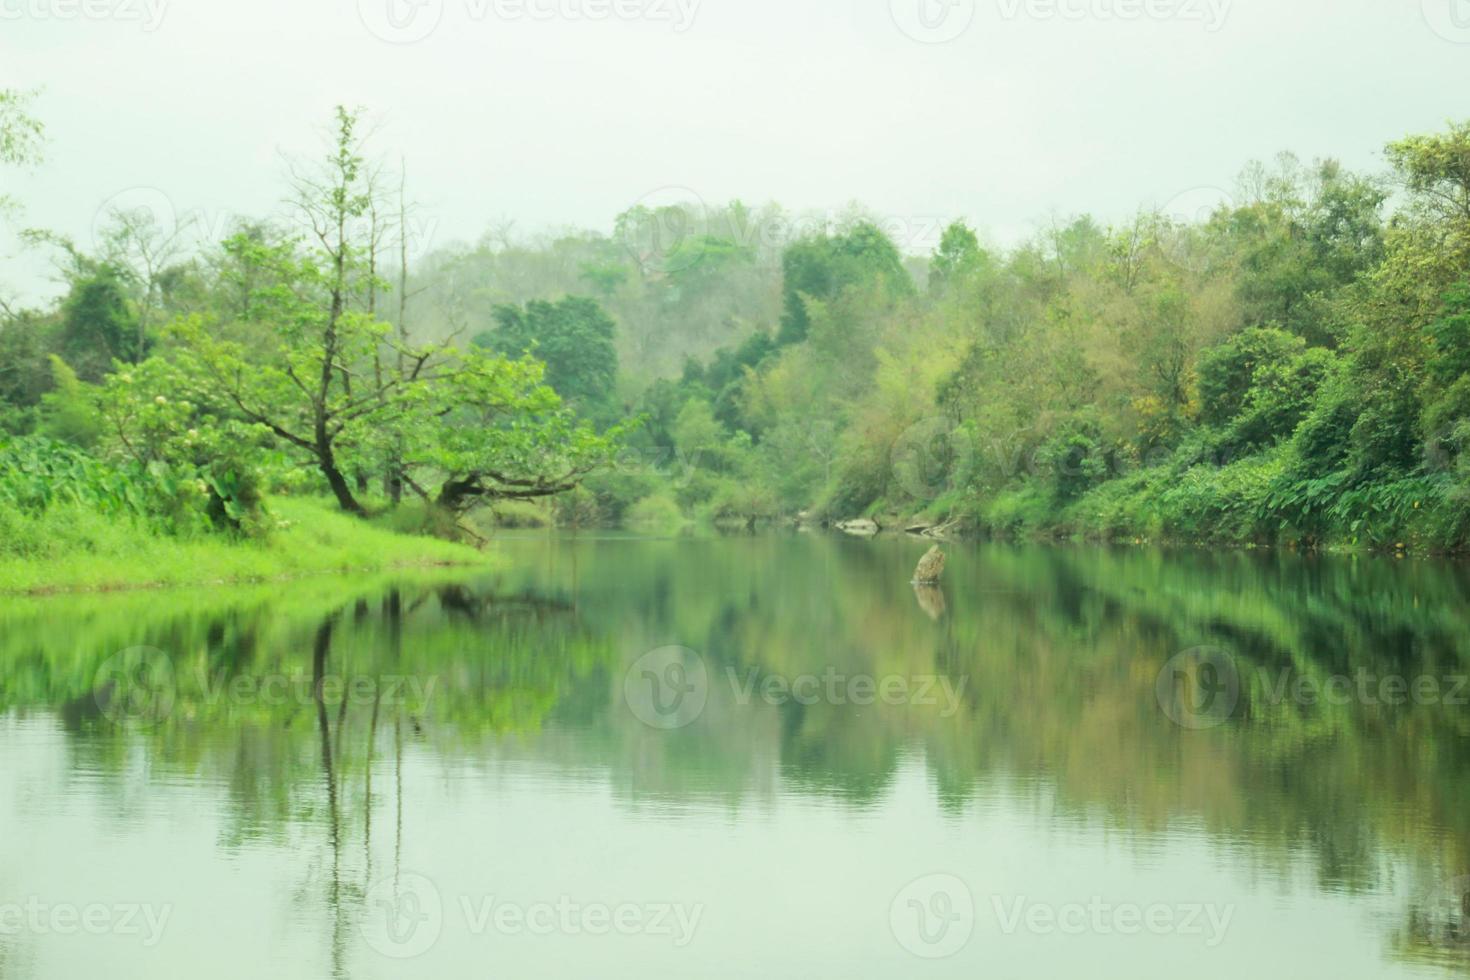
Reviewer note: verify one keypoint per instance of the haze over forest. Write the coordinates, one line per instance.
(1022, 112)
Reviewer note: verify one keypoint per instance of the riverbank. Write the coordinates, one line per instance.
(1242, 506)
(77, 550)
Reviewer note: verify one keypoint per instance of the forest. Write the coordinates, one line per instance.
(1291, 368)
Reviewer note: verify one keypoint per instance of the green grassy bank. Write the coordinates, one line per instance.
(77, 548)
(1251, 503)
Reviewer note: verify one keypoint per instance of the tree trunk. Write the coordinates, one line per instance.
(341, 489)
(454, 493)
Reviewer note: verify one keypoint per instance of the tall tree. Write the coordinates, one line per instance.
(573, 336)
(820, 267)
(309, 362)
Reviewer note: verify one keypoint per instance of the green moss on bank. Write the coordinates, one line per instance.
(74, 548)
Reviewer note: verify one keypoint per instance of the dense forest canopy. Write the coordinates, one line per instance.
(1293, 366)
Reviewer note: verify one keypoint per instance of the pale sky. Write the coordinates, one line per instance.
(566, 112)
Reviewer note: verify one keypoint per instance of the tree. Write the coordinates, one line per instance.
(24, 343)
(147, 256)
(822, 266)
(308, 361)
(69, 411)
(1313, 233)
(1227, 371)
(99, 324)
(21, 136)
(958, 254)
(1437, 169)
(573, 336)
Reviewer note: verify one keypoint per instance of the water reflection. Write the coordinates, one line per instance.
(322, 748)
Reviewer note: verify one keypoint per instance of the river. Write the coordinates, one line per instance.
(768, 756)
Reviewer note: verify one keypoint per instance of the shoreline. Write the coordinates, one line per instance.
(312, 541)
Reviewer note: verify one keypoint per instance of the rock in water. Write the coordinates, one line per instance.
(931, 600)
(862, 528)
(931, 566)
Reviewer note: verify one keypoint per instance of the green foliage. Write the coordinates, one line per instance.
(1295, 366)
(1074, 459)
(605, 279)
(1022, 510)
(1281, 395)
(1249, 378)
(957, 257)
(1450, 337)
(572, 336)
(69, 411)
(25, 349)
(821, 267)
(39, 476)
(77, 546)
(1227, 372)
(656, 513)
(1303, 237)
(1436, 168)
(99, 325)
(1256, 387)
(21, 133)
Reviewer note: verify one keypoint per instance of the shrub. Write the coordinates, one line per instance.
(657, 513)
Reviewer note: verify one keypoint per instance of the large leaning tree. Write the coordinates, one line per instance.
(300, 352)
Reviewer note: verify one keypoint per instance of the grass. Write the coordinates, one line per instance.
(71, 549)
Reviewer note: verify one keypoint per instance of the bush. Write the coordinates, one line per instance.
(1074, 459)
(38, 475)
(657, 513)
(1228, 371)
(1019, 511)
(1281, 396)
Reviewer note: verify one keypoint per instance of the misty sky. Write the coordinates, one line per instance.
(1000, 111)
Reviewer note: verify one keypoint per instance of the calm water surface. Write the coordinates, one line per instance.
(764, 756)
